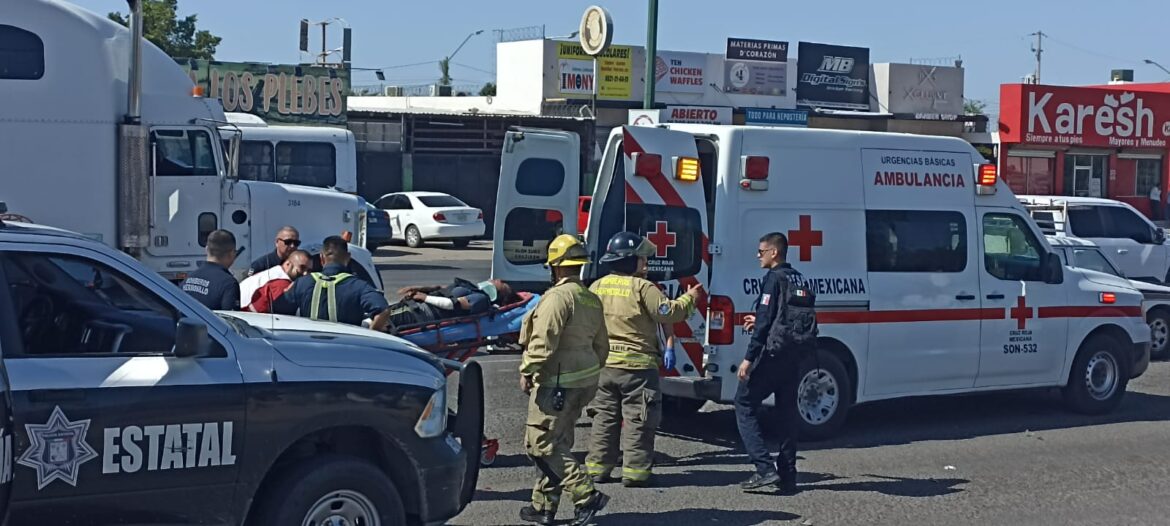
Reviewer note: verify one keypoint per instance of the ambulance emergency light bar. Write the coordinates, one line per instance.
(985, 180)
(685, 169)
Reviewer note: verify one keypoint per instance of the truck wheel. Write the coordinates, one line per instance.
(331, 489)
(823, 396)
(460, 243)
(1098, 378)
(1159, 322)
(413, 237)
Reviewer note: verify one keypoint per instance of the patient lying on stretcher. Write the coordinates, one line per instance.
(425, 304)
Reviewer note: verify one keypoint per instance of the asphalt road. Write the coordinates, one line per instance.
(1008, 458)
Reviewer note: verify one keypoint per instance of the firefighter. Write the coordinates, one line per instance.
(628, 388)
(565, 345)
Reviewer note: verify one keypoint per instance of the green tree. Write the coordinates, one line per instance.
(488, 90)
(176, 36)
(974, 107)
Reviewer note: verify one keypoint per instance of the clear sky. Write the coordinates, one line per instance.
(1088, 38)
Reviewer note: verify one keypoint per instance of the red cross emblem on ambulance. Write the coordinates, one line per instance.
(662, 238)
(1021, 313)
(805, 238)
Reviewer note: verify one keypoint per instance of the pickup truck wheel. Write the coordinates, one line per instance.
(823, 396)
(1098, 378)
(1159, 322)
(329, 490)
(413, 237)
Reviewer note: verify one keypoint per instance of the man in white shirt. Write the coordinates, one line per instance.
(296, 265)
(1156, 202)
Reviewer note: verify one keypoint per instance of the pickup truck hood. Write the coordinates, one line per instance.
(1151, 290)
(1108, 280)
(305, 338)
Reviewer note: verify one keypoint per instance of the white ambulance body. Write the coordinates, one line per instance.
(931, 278)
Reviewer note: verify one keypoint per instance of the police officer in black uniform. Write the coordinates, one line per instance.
(783, 331)
(213, 284)
(334, 294)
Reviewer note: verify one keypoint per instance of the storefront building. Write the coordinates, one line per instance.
(1107, 142)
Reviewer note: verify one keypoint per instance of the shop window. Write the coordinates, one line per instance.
(1149, 173)
(527, 233)
(306, 163)
(1011, 251)
(22, 54)
(1029, 175)
(540, 177)
(915, 241)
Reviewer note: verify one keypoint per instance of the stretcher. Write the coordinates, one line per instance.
(464, 337)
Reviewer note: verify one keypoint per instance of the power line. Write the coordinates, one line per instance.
(473, 68)
(1089, 51)
(1038, 49)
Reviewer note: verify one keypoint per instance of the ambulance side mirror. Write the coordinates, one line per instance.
(1051, 270)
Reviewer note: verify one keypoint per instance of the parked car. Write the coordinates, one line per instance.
(1085, 254)
(418, 217)
(378, 229)
(1134, 243)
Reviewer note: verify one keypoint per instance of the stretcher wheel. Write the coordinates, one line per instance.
(487, 453)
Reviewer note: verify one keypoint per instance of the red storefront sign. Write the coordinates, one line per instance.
(1088, 117)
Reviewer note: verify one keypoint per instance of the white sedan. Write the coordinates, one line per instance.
(417, 217)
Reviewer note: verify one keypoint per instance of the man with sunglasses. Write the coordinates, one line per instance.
(288, 239)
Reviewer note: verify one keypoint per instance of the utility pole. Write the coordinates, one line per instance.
(651, 54)
(1038, 49)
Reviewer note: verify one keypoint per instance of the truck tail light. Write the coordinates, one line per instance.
(721, 320)
(439, 217)
(1108, 298)
(686, 169)
(480, 216)
(985, 183)
(647, 164)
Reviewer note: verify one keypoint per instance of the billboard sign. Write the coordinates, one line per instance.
(835, 77)
(277, 93)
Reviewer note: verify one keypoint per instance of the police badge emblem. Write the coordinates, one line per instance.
(57, 449)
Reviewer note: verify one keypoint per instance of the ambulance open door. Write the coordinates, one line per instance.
(651, 184)
(540, 176)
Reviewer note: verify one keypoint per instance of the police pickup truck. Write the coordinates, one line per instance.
(126, 402)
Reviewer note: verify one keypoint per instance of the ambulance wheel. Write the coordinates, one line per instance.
(331, 489)
(413, 237)
(1098, 378)
(823, 396)
(1159, 322)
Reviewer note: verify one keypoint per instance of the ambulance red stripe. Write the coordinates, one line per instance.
(909, 316)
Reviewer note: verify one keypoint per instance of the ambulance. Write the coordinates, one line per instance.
(931, 278)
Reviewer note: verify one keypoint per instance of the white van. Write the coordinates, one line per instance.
(321, 156)
(931, 277)
(1133, 242)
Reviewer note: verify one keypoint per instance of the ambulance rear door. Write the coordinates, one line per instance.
(540, 176)
(651, 184)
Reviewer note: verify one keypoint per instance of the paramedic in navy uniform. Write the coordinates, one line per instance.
(213, 284)
(333, 294)
(766, 370)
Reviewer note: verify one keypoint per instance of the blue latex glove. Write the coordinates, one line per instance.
(668, 357)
